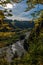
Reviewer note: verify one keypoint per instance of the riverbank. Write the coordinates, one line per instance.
(15, 47)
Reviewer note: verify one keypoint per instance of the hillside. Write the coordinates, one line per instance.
(34, 47)
(21, 32)
(5, 27)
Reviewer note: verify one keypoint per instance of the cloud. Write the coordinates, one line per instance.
(19, 18)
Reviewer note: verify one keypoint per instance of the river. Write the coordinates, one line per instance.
(15, 47)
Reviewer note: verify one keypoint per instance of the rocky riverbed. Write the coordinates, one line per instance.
(9, 51)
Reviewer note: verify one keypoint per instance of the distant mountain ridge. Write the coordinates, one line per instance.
(10, 25)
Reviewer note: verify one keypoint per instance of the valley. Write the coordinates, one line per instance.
(21, 32)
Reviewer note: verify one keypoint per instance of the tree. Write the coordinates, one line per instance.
(1, 16)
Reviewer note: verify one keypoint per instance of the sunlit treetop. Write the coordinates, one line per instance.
(1, 15)
(35, 1)
(32, 3)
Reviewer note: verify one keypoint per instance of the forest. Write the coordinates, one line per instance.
(25, 35)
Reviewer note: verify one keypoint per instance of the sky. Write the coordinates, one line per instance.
(18, 10)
